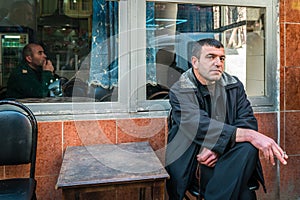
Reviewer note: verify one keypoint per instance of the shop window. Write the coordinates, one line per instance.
(171, 29)
(123, 56)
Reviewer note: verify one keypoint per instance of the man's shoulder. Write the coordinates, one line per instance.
(183, 85)
(187, 80)
(229, 81)
(21, 70)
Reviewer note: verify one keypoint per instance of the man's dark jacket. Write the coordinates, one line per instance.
(193, 125)
(24, 82)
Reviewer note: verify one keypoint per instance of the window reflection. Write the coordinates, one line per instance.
(174, 27)
(104, 57)
(79, 37)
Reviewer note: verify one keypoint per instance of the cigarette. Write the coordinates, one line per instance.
(284, 154)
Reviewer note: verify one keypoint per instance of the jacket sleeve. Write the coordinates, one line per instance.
(244, 116)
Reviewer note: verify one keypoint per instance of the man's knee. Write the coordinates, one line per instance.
(247, 148)
(243, 152)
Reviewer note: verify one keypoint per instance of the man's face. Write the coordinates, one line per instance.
(38, 57)
(210, 65)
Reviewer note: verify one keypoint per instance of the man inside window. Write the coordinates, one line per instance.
(31, 79)
(213, 128)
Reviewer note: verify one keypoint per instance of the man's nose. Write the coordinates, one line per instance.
(218, 60)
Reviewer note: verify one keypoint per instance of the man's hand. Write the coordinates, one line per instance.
(266, 145)
(207, 157)
(47, 66)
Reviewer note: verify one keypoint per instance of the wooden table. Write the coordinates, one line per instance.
(132, 167)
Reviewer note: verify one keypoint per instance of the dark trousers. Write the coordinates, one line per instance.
(229, 179)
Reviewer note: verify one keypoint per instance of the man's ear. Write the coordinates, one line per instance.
(194, 59)
(28, 59)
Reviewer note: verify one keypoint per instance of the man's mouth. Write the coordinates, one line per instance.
(216, 71)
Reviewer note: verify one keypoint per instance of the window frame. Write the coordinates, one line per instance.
(132, 74)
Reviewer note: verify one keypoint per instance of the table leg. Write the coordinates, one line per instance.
(70, 194)
(142, 195)
(158, 190)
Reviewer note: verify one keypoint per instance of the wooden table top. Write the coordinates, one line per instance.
(109, 163)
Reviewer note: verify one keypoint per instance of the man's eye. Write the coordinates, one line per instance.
(210, 57)
(213, 57)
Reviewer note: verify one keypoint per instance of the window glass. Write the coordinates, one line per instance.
(79, 38)
(172, 28)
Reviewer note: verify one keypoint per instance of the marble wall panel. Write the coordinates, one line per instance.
(292, 89)
(49, 148)
(292, 48)
(291, 11)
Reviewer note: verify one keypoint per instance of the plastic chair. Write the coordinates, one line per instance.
(18, 146)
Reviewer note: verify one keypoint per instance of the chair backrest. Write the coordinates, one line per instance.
(18, 132)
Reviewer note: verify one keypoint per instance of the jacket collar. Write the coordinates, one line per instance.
(27, 67)
(188, 80)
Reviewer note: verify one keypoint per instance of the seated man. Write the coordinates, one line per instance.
(31, 80)
(213, 125)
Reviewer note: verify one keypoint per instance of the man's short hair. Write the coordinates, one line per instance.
(27, 50)
(205, 42)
